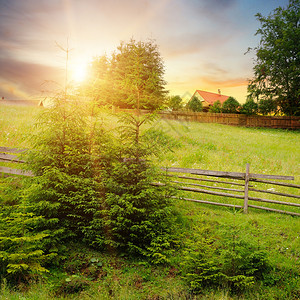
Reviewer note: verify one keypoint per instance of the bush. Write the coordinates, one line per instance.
(71, 285)
(175, 103)
(22, 258)
(230, 106)
(195, 105)
(216, 108)
(96, 185)
(249, 108)
(229, 262)
(137, 213)
(267, 107)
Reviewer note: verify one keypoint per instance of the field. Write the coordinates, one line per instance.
(203, 146)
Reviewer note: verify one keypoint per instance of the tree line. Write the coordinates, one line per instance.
(230, 106)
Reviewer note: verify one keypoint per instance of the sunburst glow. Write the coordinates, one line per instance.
(79, 72)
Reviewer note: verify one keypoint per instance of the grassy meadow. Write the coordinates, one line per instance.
(194, 145)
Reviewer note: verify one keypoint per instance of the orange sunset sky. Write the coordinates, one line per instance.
(202, 42)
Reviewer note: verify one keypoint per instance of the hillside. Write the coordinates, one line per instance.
(256, 256)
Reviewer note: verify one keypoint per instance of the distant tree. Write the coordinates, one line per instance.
(175, 103)
(230, 106)
(267, 107)
(216, 108)
(131, 78)
(277, 67)
(250, 107)
(195, 104)
(136, 73)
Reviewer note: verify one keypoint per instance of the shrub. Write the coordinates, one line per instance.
(199, 266)
(175, 103)
(250, 107)
(137, 213)
(267, 107)
(230, 106)
(95, 185)
(21, 256)
(229, 262)
(195, 105)
(216, 108)
(71, 285)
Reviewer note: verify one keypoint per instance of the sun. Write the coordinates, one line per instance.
(79, 72)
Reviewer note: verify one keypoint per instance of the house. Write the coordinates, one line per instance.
(208, 98)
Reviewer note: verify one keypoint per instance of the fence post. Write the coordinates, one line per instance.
(247, 176)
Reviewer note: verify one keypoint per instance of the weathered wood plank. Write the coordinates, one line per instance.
(277, 183)
(235, 175)
(210, 202)
(275, 210)
(246, 197)
(277, 177)
(15, 171)
(274, 201)
(10, 158)
(11, 150)
(275, 193)
(208, 180)
(185, 188)
(209, 186)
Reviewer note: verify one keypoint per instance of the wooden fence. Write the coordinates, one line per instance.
(189, 182)
(11, 156)
(234, 119)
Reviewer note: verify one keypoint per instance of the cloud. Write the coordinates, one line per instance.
(9, 90)
(213, 8)
(233, 82)
(20, 78)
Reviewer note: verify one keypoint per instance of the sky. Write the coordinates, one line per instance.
(202, 42)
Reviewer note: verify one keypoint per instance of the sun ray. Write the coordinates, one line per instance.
(79, 72)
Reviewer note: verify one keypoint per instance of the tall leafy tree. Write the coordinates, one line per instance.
(175, 103)
(137, 71)
(277, 67)
(131, 78)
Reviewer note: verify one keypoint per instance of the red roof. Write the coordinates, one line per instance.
(211, 98)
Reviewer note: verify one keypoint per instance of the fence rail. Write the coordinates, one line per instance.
(10, 155)
(190, 185)
(189, 182)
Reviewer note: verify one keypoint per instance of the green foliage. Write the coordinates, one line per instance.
(267, 107)
(199, 266)
(132, 78)
(213, 228)
(242, 263)
(175, 103)
(68, 159)
(21, 255)
(250, 107)
(276, 72)
(195, 105)
(137, 213)
(97, 187)
(212, 259)
(71, 285)
(216, 107)
(230, 106)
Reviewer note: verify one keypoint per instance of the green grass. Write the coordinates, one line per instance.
(204, 146)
